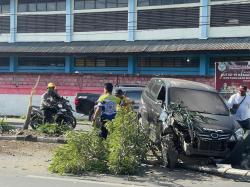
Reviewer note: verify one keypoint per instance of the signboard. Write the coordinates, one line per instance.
(230, 75)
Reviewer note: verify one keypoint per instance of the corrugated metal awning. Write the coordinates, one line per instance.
(124, 47)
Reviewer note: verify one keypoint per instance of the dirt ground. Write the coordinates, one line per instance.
(24, 156)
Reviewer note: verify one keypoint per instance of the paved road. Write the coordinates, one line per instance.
(21, 167)
(31, 180)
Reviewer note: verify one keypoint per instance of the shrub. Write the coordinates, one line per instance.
(127, 143)
(5, 127)
(53, 129)
(85, 151)
(122, 152)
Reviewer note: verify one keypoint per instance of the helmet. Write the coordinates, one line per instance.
(51, 85)
(118, 92)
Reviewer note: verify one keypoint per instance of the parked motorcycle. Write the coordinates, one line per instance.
(63, 116)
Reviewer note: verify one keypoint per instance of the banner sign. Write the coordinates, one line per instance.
(230, 75)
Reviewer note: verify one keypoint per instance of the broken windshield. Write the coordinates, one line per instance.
(199, 101)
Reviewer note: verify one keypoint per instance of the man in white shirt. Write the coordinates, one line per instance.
(241, 102)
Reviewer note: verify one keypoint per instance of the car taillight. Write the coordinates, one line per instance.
(77, 102)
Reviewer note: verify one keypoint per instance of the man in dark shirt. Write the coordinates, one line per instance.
(49, 100)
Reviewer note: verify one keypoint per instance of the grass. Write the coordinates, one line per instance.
(5, 127)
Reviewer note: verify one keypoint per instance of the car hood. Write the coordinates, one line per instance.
(219, 123)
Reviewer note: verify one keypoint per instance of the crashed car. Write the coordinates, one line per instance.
(214, 137)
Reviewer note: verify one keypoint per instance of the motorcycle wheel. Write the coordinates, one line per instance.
(69, 121)
(35, 122)
(169, 152)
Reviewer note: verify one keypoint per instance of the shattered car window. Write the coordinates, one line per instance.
(199, 101)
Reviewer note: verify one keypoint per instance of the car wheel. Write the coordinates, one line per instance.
(169, 152)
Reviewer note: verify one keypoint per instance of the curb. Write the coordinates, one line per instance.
(31, 138)
(232, 173)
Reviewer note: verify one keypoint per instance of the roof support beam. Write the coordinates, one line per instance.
(13, 20)
(132, 19)
(132, 62)
(69, 20)
(204, 18)
(68, 64)
(13, 63)
(204, 64)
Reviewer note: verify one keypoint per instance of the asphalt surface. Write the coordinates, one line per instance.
(24, 164)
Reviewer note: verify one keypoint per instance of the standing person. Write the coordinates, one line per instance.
(106, 108)
(125, 101)
(49, 99)
(239, 105)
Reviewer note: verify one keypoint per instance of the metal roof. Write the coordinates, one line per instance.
(123, 47)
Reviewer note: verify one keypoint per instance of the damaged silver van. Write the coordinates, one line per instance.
(215, 137)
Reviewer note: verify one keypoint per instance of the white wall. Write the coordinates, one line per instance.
(17, 105)
(4, 37)
(239, 31)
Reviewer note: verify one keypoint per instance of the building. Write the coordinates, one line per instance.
(79, 44)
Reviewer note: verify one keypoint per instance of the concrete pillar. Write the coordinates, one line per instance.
(204, 64)
(13, 63)
(13, 20)
(69, 20)
(132, 19)
(204, 18)
(132, 65)
(69, 60)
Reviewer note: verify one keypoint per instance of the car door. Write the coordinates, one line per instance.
(146, 105)
(156, 108)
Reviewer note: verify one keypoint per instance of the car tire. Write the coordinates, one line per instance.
(169, 152)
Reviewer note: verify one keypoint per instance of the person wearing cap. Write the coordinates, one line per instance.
(239, 105)
(49, 99)
(125, 101)
(106, 108)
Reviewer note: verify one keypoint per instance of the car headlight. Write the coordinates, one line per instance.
(239, 134)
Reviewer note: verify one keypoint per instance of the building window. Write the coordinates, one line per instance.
(229, 15)
(100, 3)
(187, 17)
(42, 61)
(4, 61)
(89, 4)
(22, 8)
(51, 6)
(97, 4)
(79, 4)
(4, 6)
(164, 2)
(4, 9)
(32, 7)
(61, 6)
(101, 62)
(168, 62)
(111, 3)
(40, 6)
(122, 3)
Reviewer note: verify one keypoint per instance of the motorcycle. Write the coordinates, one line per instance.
(63, 115)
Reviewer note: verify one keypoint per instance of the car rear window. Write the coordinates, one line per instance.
(134, 95)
